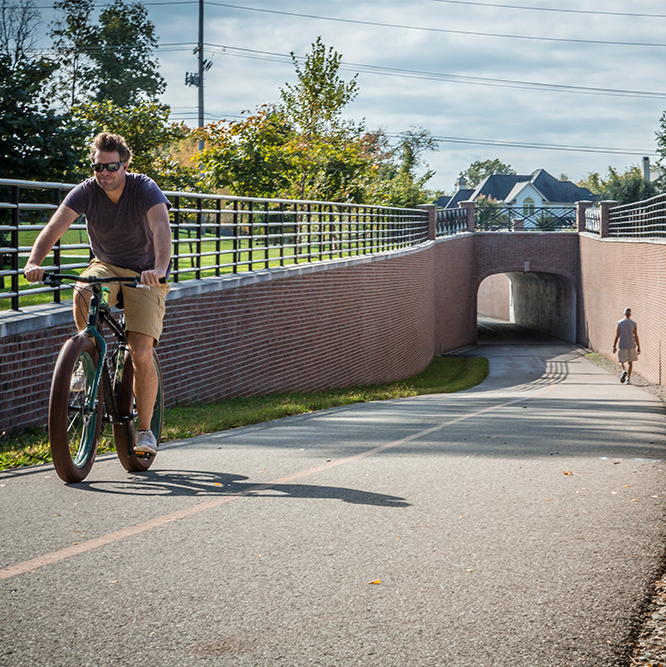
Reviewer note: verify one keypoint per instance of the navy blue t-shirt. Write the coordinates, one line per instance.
(119, 233)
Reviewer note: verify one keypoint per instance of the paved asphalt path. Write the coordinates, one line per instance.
(518, 524)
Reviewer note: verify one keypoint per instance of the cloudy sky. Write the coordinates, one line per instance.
(507, 79)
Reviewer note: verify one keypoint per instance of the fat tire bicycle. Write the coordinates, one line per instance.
(92, 386)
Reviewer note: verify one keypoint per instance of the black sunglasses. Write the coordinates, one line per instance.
(109, 166)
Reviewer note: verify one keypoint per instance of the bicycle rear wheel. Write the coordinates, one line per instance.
(124, 434)
(74, 428)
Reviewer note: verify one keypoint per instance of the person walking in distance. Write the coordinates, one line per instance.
(127, 218)
(627, 334)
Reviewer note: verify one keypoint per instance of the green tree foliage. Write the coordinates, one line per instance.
(252, 157)
(593, 182)
(661, 141)
(478, 171)
(327, 153)
(149, 134)
(110, 60)
(72, 36)
(400, 185)
(625, 188)
(35, 142)
(314, 105)
(302, 148)
(124, 70)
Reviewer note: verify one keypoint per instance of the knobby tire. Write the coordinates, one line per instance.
(126, 408)
(74, 431)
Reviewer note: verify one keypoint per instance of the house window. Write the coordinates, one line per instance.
(528, 206)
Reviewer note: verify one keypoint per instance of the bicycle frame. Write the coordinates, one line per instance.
(98, 308)
(76, 419)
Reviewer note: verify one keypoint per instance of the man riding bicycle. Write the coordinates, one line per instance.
(127, 218)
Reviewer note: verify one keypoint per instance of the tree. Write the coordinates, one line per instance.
(661, 141)
(304, 149)
(18, 29)
(323, 145)
(314, 105)
(402, 187)
(124, 70)
(35, 142)
(252, 157)
(625, 188)
(592, 182)
(72, 37)
(477, 172)
(301, 148)
(491, 214)
(150, 135)
(109, 61)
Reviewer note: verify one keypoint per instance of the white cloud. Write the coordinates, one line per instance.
(443, 107)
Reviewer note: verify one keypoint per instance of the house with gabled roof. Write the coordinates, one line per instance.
(536, 190)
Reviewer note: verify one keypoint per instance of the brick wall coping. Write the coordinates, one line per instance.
(617, 239)
(46, 316)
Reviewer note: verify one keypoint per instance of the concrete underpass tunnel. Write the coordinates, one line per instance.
(544, 302)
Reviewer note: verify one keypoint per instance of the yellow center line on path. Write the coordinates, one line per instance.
(110, 538)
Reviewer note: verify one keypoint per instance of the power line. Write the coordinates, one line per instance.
(553, 9)
(565, 40)
(470, 33)
(254, 54)
(551, 147)
(380, 70)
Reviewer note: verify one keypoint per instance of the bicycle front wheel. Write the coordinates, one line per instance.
(124, 434)
(75, 426)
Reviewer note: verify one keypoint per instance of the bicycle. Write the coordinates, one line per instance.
(91, 387)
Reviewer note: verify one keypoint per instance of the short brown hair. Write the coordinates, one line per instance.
(105, 142)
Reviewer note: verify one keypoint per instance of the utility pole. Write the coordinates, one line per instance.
(192, 79)
(201, 69)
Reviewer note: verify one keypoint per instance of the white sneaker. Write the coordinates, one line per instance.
(146, 444)
(627, 381)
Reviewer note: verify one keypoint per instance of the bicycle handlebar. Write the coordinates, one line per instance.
(57, 278)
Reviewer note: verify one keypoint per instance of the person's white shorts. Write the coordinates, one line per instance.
(627, 355)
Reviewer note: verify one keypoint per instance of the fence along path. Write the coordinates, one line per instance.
(213, 234)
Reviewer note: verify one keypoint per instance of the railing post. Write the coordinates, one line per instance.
(432, 220)
(604, 216)
(16, 221)
(218, 239)
(471, 214)
(237, 241)
(581, 207)
(176, 240)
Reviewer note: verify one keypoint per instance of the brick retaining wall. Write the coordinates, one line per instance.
(616, 274)
(348, 322)
(303, 328)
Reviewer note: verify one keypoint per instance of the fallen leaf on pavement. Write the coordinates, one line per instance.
(568, 472)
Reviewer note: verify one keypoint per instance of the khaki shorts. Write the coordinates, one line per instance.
(144, 308)
(627, 355)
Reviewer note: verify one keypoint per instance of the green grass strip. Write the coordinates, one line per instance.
(444, 375)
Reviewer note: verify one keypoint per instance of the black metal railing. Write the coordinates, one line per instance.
(495, 216)
(451, 221)
(213, 235)
(593, 220)
(643, 219)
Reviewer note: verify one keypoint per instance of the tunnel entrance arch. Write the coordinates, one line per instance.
(536, 300)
